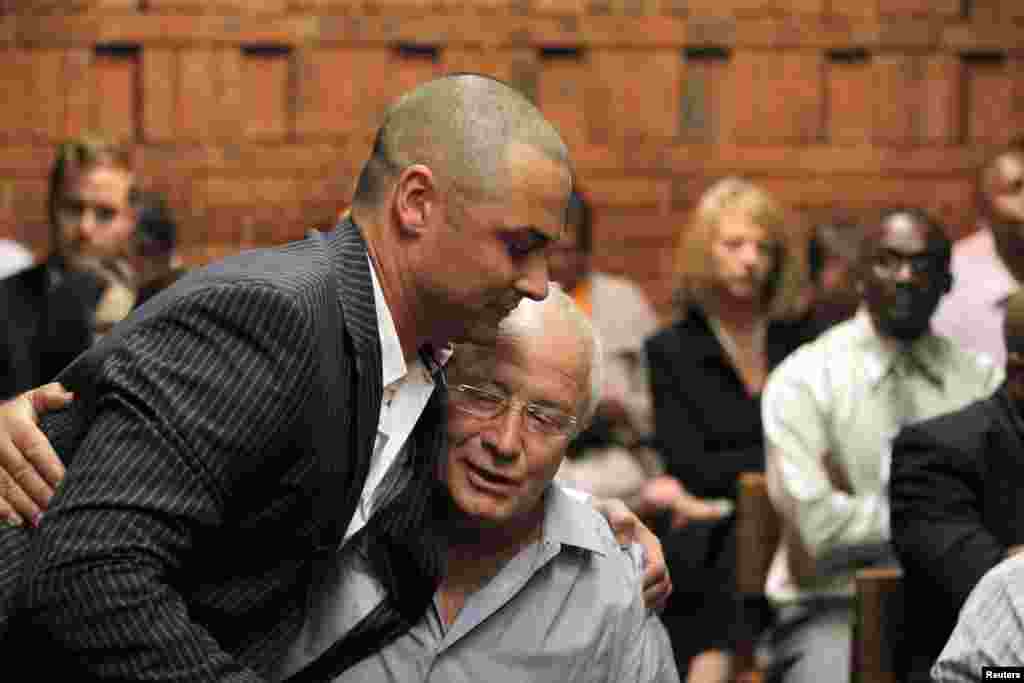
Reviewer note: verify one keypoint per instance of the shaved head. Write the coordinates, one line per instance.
(462, 127)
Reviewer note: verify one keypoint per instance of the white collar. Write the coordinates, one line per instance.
(392, 362)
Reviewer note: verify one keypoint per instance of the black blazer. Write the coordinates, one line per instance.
(956, 508)
(706, 426)
(47, 316)
(223, 434)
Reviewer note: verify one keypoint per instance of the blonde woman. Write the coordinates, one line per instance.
(739, 270)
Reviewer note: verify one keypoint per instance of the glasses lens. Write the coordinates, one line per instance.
(476, 401)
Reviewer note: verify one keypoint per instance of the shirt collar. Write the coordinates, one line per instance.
(564, 525)
(393, 367)
(925, 354)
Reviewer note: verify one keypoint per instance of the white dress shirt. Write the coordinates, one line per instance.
(835, 395)
(407, 389)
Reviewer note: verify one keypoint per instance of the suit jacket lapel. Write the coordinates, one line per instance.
(353, 398)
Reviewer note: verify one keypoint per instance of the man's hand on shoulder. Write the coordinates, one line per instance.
(29, 467)
(628, 529)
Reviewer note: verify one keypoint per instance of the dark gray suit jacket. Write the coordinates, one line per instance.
(956, 508)
(221, 438)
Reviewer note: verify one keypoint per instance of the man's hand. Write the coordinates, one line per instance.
(629, 529)
(667, 493)
(29, 467)
(837, 474)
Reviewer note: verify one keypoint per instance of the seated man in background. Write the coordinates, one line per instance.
(956, 505)
(51, 309)
(988, 631)
(831, 297)
(154, 259)
(830, 411)
(610, 457)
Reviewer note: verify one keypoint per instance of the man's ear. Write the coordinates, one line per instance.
(415, 198)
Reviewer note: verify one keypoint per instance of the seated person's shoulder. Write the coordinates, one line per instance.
(618, 569)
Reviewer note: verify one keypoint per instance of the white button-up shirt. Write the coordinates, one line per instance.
(835, 396)
(407, 389)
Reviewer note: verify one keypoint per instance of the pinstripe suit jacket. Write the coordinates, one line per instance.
(222, 436)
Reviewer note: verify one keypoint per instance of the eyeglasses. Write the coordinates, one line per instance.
(888, 264)
(487, 404)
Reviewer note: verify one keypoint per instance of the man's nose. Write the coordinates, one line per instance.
(533, 284)
(503, 437)
(88, 225)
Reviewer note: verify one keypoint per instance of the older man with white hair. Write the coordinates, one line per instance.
(535, 587)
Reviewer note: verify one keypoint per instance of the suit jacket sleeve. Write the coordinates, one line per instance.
(679, 439)
(215, 378)
(936, 498)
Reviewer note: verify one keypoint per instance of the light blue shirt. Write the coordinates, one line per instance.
(566, 608)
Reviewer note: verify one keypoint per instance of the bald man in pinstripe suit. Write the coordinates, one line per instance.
(230, 435)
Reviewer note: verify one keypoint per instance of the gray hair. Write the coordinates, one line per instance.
(531, 319)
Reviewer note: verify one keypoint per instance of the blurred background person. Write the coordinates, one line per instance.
(155, 260)
(50, 308)
(14, 257)
(739, 270)
(830, 411)
(988, 265)
(830, 296)
(611, 458)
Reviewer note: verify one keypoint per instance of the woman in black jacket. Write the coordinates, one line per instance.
(739, 270)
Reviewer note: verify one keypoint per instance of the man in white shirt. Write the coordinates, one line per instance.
(988, 264)
(830, 412)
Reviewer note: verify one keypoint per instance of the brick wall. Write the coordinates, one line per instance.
(252, 115)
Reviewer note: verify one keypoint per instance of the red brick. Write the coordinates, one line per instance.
(338, 89)
(626, 82)
(115, 82)
(945, 9)
(20, 159)
(777, 97)
(15, 68)
(47, 98)
(217, 191)
(631, 191)
(989, 94)
(562, 96)
(941, 103)
(704, 97)
(898, 95)
(77, 80)
(851, 95)
(209, 93)
(267, 93)
(159, 94)
(853, 8)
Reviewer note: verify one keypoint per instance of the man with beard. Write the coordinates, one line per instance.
(830, 412)
(989, 264)
(956, 508)
(51, 310)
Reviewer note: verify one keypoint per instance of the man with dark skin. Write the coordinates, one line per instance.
(830, 411)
